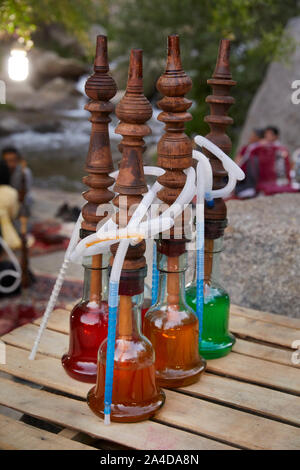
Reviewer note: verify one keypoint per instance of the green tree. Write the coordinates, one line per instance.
(21, 18)
(255, 27)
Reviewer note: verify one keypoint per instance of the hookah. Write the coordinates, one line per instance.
(136, 395)
(215, 340)
(112, 397)
(89, 318)
(170, 324)
(205, 192)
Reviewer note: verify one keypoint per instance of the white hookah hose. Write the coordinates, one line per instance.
(57, 287)
(205, 191)
(10, 272)
(160, 223)
(235, 173)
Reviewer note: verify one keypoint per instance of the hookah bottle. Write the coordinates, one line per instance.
(216, 340)
(88, 322)
(136, 395)
(170, 324)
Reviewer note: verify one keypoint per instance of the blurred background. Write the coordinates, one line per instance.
(44, 117)
(44, 114)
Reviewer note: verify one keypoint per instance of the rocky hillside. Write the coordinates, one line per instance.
(272, 103)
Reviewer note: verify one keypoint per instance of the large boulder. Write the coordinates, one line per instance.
(45, 65)
(57, 93)
(272, 103)
(261, 258)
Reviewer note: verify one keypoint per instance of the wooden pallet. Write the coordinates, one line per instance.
(247, 400)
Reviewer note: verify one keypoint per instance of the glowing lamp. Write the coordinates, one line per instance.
(18, 65)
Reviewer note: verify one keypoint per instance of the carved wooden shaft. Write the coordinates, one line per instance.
(100, 88)
(218, 120)
(133, 111)
(174, 148)
(174, 155)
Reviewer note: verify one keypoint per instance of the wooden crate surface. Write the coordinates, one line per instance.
(246, 400)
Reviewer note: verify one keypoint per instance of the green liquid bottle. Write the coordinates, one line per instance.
(216, 340)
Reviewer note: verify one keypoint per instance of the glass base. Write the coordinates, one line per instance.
(214, 350)
(123, 413)
(172, 378)
(84, 370)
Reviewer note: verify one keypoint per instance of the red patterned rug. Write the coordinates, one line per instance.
(19, 310)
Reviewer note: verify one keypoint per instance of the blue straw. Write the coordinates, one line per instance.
(110, 353)
(200, 274)
(155, 275)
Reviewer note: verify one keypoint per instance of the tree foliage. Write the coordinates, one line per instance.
(255, 27)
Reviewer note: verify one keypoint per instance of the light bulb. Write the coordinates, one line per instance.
(18, 65)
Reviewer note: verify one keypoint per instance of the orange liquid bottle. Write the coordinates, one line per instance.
(136, 395)
(172, 326)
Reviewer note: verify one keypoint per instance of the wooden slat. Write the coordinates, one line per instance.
(44, 370)
(245, 430)
(266, 316)
(15, 435)
(234, 365)
(70, 305)
(263, 331)
(48, 372)
(257, 371)
(248, 397)
(52, 344)
(261, 351)
(59, 321)
(75, 414)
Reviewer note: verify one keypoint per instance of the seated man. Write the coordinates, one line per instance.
(19, 174)
(273, 164)
(247, 188)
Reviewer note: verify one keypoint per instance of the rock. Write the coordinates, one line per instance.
(10, 125)
(57, 93)
(261, 258)
(272, 103)
(45, 65)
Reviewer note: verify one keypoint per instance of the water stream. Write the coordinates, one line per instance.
(57, 158)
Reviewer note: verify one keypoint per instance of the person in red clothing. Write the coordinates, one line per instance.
(247, 188)
(255, 137)
(273, 164)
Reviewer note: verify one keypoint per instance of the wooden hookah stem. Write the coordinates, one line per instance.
(96, 279)
(208, 258)
(125, 316)
(173, 284)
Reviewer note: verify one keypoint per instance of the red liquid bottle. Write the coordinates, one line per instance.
(136, 395)
(172, 326)
(88, 323)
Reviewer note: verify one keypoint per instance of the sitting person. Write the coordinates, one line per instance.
(247, 188)
(20, 175)
(269, 161)
(9, 208)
